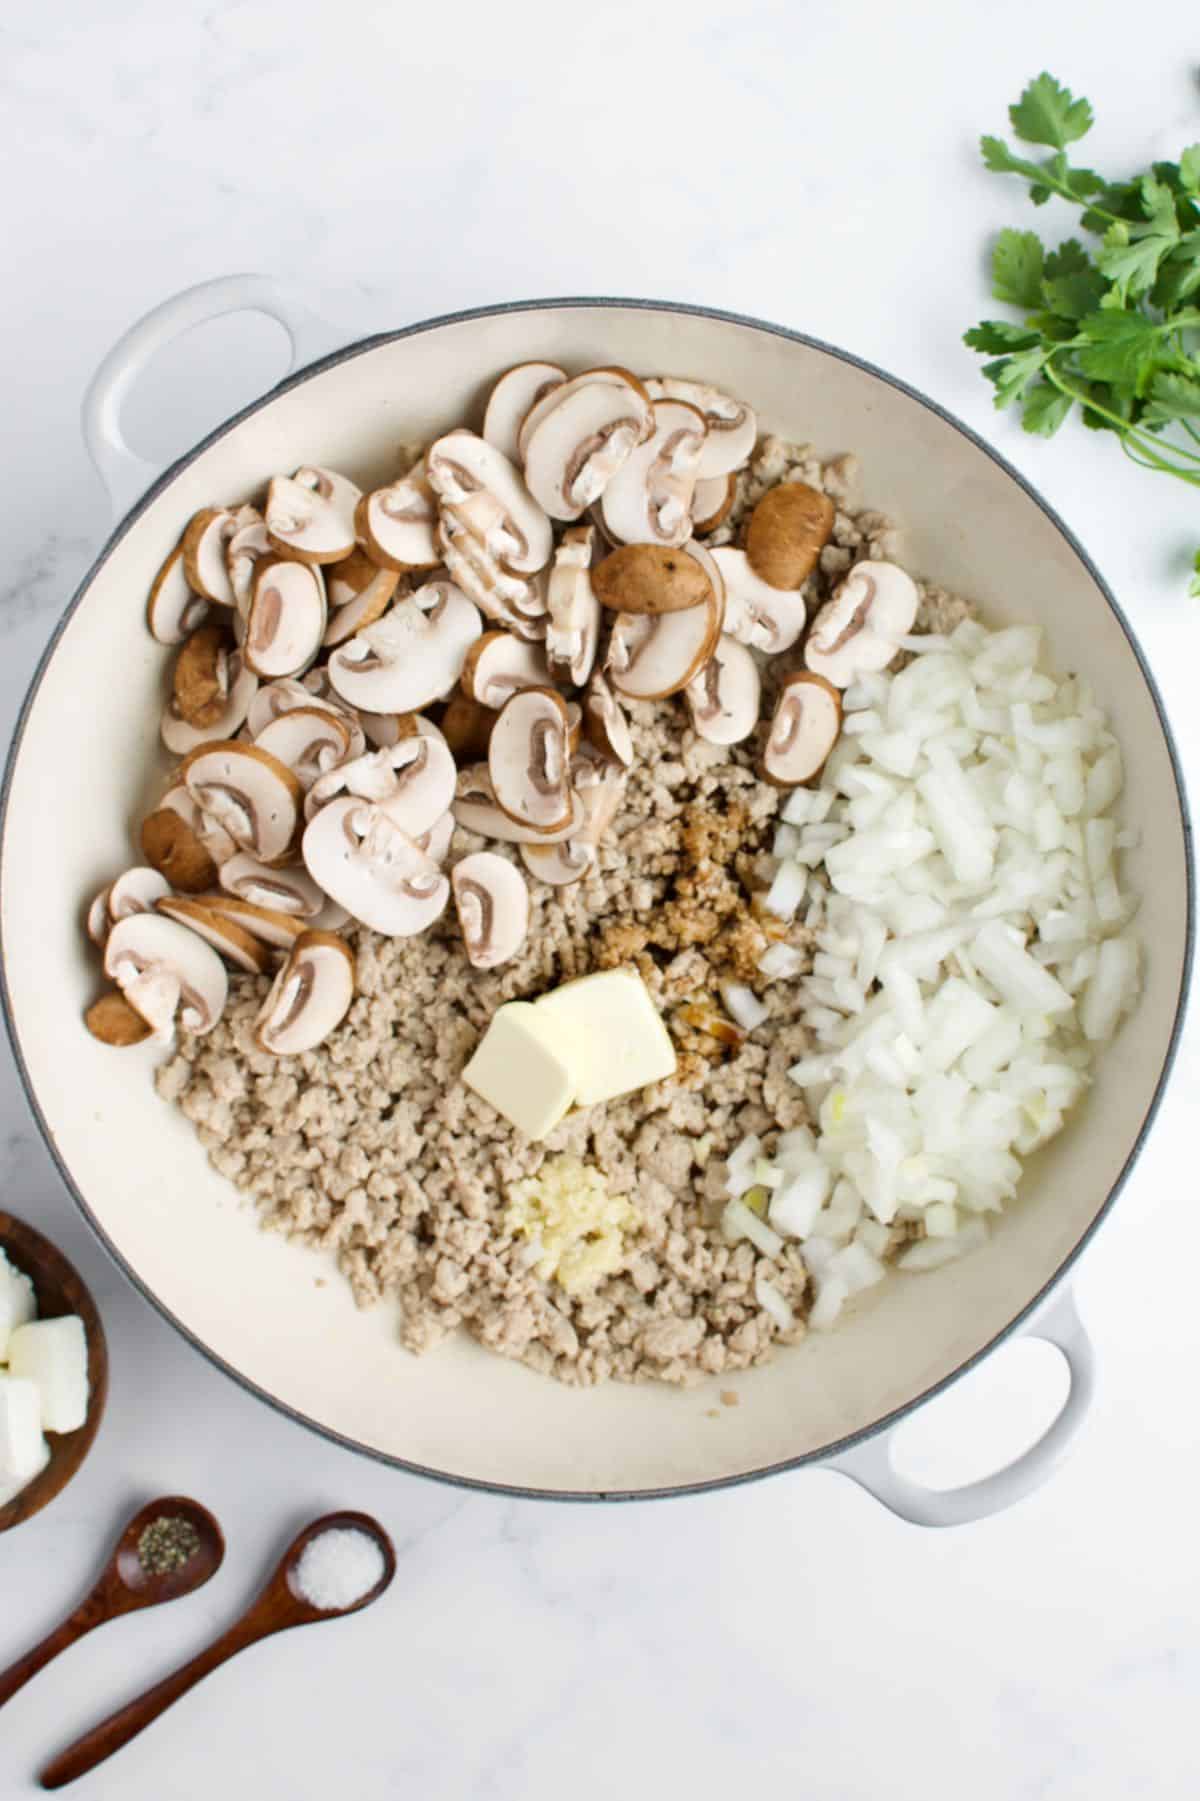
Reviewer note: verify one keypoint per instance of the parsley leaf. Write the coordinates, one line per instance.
(1013, 374)
(1121, 348)
(999, 335)
(1048, 113)
(1017, 268)
(1194, 584)
(1173, 397)
(1072, 286)
(1189, 169)
(1045, 409)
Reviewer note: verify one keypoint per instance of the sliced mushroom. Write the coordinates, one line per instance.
(649, 499)
(724, 698)
(274, 699)
(732, 425)
(163, 968)
(436, 841)
(477, 810)
(225, 935)
(310, 516)
(174, 846)
(573, 610)
(268, 924)
(529, 760)
(248, 546)
(485, 491)
(113, 1021)
(99, 919)
(712, 502)
(411, 656)
(285, 621)
(856, 632)
(136, 892)
(249, 792)
(366, 863)
(651, 656)
(498, 665)
(804, 729)
(467, 727)
(311, 740)
(174, 609)
(413, 782)
(576, 438)
(286, 889)
(203, 547)
(757, 615)
(310, 996)
(558, 865)
(385, 729)
(492, 903)
(180, 737)
(787, 532)
(648, 578)
(510, 401)
(511, 600)
(600, 785)
(395, 524)
(200, 681)
(605, 724)
(359, 593)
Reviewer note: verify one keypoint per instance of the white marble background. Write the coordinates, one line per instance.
(812, 164)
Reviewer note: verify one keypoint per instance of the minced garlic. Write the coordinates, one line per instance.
(577, 1228)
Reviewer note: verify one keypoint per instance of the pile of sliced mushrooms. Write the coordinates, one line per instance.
(523, 581)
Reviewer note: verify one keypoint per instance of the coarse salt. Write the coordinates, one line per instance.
(337, 1568)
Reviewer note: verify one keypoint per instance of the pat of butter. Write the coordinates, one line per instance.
(609, 1032)
(22, 1447)
(518, 1067)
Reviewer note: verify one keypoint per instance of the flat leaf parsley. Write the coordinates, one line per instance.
(1112, 326)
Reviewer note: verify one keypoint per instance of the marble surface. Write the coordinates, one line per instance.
(813, 165)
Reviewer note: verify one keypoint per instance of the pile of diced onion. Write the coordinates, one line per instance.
(958, 863)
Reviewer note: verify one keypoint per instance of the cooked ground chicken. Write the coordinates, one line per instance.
(372, 1148)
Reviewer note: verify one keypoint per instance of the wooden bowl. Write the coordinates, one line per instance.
(59, 1289)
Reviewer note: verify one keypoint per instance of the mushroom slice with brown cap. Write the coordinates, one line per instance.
(162, 968)
(724, 698)
(467, 727)
(274, 699)
(226, 936)
(385, 729)
(310, 740)
(310, 996)
(573, 610)
(180, 737)
(712, 502)
(413, 783)
(174, 608)
(359, 593)
(476, 809)
(268, 924)
(649, 499)
(249, 792)
(574, 441)
(529, 760)
(516, 392)
(367, 864)
(305, 525)
(804, 729)
(172, 844)
(99, 919)
(285, 621)
(605, 724)
(395, 524)
(412, 656)
(653, 656)
(203, 546)
(856, 632)
(498, 665)
(247, 548)
(509, 599)
(492, 903)
(113, 1021)
(485, 491)
(732, 425)
(200, 680)
(757, 615)
(558, 865)
(650, 578)
(136, 892)
(787, 532)
(286, 889)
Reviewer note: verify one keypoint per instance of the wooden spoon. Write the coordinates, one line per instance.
(125, 1587)
(279, 1607)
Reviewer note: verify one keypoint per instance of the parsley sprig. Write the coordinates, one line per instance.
(1112, 326)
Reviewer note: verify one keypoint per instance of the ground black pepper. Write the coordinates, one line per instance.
(167, 1544)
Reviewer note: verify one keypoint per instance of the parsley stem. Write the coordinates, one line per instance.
(1151, 457)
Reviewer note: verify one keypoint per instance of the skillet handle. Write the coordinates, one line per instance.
(127, 475)
(870, 1464)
